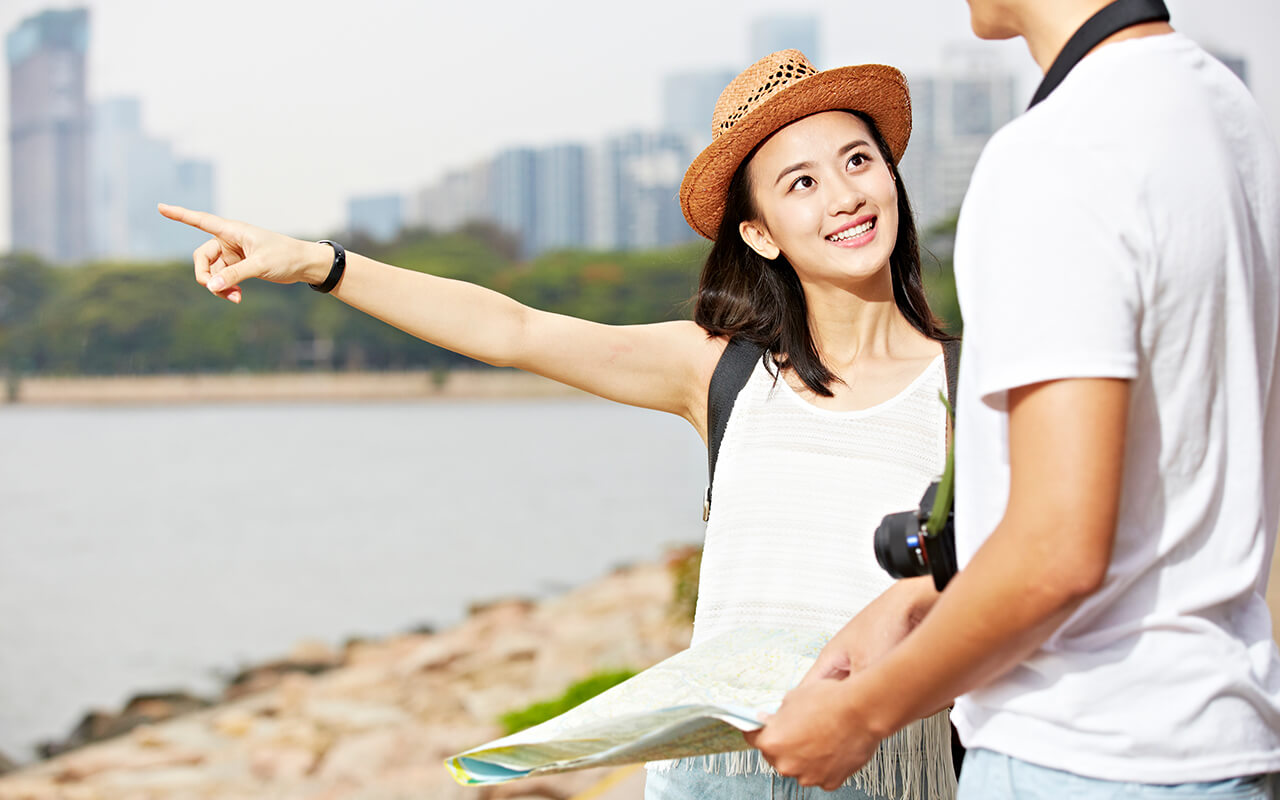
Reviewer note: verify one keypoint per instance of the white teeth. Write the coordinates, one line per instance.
(852, 232)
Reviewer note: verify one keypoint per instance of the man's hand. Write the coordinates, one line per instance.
(875, 630)
(817, 736)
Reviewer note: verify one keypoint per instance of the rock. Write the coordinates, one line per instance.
(142, 709)
(313, 651)
(7, 765)
(281, 763)
(499, 615)
(92, 762)
(235, 723)
(18, 788)
(349, 716)
(149, 736)
(435, 654)
(362, 757)
(163, 705)
(267, 676)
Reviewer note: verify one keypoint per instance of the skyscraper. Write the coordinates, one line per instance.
(461, 196)
(688, 98)
(785, 32)
(637, 191)
(48, 129)
(129, 172)
(380, 217)
(511, 182)
(560, 173)
(955, 113)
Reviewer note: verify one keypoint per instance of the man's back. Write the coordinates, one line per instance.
(1138, 208)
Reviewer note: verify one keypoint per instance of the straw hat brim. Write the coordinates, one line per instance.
(876, 90)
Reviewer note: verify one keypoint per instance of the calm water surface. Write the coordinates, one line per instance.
(155, 548)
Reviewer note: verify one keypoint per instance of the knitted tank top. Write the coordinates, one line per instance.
(799, 493)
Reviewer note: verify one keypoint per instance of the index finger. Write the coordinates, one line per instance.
(209, 223)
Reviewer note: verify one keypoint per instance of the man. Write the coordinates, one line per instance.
(1118, 448)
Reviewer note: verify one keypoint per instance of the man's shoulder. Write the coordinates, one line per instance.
(1035, 154)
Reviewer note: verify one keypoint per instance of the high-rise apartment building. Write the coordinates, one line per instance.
(380, 217)
(48, 135)
(955, 113)
(688, 98)
(560, 198)
(512, 194)
(461, 196)
(637, 186)
(785, 32)
(129, 172)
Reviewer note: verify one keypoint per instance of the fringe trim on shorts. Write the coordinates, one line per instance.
(921, 749)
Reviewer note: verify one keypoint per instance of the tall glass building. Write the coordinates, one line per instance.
(48, 135)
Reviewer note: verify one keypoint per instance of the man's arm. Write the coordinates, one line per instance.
(1049, 552)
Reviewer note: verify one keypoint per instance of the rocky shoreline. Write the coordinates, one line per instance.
(375, 720)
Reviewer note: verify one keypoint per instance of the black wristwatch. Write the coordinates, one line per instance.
(335, 272)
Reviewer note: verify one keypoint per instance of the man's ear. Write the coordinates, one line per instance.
(758, 239)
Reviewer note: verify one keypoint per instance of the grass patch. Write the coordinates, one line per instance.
(575, 695)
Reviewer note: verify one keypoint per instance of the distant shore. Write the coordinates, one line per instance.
(468, 384)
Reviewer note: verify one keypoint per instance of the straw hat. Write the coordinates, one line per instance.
(776, 91)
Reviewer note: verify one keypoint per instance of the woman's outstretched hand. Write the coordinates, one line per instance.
(239, 251)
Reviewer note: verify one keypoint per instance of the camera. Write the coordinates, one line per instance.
(908, 545)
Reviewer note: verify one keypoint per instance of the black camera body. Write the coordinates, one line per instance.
(906, 549)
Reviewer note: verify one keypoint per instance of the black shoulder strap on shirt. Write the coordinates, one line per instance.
(732, 371)
(951, 363)
(1109, 20)
(731, 374)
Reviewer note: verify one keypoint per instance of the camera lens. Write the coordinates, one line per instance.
(897, 543)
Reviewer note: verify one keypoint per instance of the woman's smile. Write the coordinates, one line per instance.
(860, 232)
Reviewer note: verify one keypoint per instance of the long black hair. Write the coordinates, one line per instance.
(742, 293)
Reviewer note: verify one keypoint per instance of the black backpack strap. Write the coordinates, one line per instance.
(732, 371)
(951, 363)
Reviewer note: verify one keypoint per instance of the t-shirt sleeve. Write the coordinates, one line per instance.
(1052, 242)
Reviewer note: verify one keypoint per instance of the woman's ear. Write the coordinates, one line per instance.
(758, 239)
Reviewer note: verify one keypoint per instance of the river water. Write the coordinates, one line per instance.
(157, 548)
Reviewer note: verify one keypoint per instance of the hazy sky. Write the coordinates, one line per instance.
(302, 104)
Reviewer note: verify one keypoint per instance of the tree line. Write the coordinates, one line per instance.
(152, 318)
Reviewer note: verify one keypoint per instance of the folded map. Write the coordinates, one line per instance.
(697, 702)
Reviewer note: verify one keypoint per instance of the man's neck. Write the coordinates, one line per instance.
(1048, 30)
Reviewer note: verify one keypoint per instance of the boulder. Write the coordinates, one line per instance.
(267, 676)
(142, 709)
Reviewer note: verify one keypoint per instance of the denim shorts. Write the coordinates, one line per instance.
(994, 776)
(694, 784)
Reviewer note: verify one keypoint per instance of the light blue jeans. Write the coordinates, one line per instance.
(696, 784)
(987, 775)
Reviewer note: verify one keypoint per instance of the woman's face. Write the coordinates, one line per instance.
(825, 198)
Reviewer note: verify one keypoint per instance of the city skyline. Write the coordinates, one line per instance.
(302, 114)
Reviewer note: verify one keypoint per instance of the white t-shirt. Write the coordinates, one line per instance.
(1129, 227)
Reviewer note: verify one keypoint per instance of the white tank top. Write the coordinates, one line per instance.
(799, 492)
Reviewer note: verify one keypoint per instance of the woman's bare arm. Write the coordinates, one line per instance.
(664, 366)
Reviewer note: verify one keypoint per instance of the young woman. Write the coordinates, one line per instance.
(815, 260)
